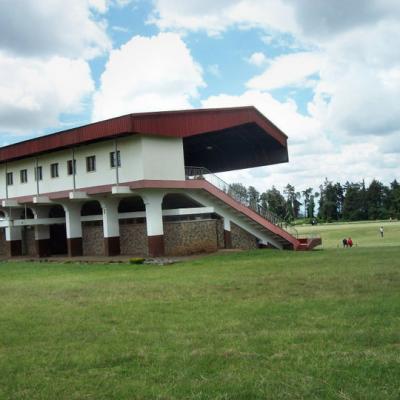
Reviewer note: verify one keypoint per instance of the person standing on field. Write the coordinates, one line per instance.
(381, 231)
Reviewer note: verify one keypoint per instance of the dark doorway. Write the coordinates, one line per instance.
(58, 239)
(58, 232)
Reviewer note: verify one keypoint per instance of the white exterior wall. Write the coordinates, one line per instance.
(142, 157)
(163, 158)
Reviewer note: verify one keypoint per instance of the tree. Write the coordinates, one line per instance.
(292, 202)
(307, 194)
(253, 197)
(375, 200)
(311, 205)
(239, 192)
(354, 208)
(329, 202)
(273, 200)
(393, 199)
(339, 199)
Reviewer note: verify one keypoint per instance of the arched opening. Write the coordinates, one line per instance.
(131, 204)
(57, 211)
(58, 232)
(91, 208)
(178, 200)
(25, 213)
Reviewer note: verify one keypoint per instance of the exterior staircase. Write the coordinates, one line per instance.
(254, 218)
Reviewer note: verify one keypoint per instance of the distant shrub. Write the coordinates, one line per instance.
(136, 260)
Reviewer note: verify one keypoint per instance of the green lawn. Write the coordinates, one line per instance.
(253, 325)
(364, 234)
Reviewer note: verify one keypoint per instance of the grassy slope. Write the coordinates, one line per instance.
(268, 324)
(364, 234)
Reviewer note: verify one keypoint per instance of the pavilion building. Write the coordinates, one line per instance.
(141, 184)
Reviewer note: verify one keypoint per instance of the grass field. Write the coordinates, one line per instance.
(252, 325)
(364, 234)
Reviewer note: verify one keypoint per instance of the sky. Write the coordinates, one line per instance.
(327, 73)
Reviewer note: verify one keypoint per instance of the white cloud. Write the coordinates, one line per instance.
(313, 20)
(57, 27)
(216, 16)
(33, 92)
(287, 70)
(352, 52)
(144, 75)
(118, 28)
(258, 59)
(322, 20)
(359, 88)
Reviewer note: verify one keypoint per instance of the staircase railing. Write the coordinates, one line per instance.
(204, 173)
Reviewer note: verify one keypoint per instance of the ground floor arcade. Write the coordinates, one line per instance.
(146, 223)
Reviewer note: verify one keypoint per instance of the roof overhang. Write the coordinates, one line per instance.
(219, 139)
(238, 147)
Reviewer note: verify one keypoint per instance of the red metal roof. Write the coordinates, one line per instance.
(169, 123)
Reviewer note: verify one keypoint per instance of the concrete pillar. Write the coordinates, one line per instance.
(154, 222)
(74, 228)
(111, 226)
(227, 233)
(13, 233)
(42, 232)
(14, 241)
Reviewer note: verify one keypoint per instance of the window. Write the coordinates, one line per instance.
(54, 170)
(112, 159)
(71, 169)
(91, 163)
(9, 178)
(38, 174)
(23, 175)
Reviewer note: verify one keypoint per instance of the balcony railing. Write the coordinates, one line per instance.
(204, 173)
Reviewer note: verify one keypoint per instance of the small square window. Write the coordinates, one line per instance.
(71, 167)
(112, 159)
(23, 174)
(9, 178)
(54, 170)
(91, 163)
(38, 173)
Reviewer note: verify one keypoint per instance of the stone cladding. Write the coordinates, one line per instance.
(3, 246)
(189, 237)
(133, 238)
(242, 239)
(92, 239)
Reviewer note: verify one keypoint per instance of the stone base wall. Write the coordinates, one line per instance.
(133, 239)
(180, 238)
(92, 239)
(3, 247)
(189, 237)
(241, 239)
(220, 234)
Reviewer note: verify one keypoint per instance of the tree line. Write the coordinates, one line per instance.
(331, 202)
